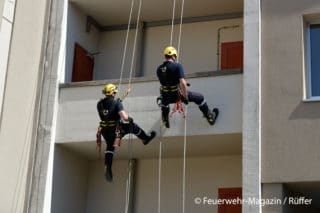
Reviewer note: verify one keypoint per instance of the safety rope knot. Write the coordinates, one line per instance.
(178, 107)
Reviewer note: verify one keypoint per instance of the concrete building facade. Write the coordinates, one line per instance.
(265, 142)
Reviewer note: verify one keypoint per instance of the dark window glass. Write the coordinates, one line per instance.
(315, 59)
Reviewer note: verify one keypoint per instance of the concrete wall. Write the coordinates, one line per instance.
(78, 104)
(110, 46)
(198, 44)
(1, 10)
(6, 20)
(17, 121)
(70, 179)
(289, 125)
(273, 191)
(103, 196)
(76, 32)
(204, 175)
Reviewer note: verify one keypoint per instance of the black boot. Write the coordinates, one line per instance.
(108, 174)
(108, 165)
(165, 116)
(149, 138)
(210, 116)
(144, 137)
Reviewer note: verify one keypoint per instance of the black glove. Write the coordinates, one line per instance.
(130, 120)
(185, 101)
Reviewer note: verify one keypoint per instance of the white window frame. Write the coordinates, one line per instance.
(308, 21)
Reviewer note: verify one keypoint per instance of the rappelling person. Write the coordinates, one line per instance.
(174, 88)
(115, 124)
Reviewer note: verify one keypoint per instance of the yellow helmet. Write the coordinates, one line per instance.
(110, 89)
(170, 51)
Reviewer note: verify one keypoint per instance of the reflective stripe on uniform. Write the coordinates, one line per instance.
(202, 103)
(109, 123)
(169, 88)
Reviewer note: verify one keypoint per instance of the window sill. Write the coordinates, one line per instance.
(312, 99)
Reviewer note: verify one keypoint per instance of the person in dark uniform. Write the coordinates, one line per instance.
(174, 86)
(115, 124)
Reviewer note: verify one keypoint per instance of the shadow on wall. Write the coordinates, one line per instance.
(306, 110)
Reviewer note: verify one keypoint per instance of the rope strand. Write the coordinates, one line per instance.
(125, 45)
(184, 162)
(172, 21)
(134, 44)
(180, 27)
(130, 154)
(159, 168)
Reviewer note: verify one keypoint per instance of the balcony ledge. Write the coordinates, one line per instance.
(151, 78)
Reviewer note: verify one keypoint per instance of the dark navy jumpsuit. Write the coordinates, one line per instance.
(169, 74)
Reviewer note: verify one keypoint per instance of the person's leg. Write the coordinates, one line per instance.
(137, 131)
(109, 136)
(167, 98)
(165, 109)
(198, 99)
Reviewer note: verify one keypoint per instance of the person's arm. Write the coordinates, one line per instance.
(183, 87)
(182, 80)
(124, 116)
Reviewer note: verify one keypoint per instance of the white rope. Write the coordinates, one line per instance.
(172, 21)
(125, 45)
(185, 123)
(128, 186)
(180, 28)
(184, 161)
(159, 168)
(134, 44)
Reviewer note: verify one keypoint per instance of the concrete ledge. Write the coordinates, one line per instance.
(151, 78)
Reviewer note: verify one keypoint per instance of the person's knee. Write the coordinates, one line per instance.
(110, 148)
(195, 97)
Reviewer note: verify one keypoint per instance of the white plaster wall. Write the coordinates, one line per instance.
(290, 135)
(5, 36)
(103, 196)
(197, 39)
(204, 175)
(6, 20)
(70, 179)
(198, 51)
(111, 47)
(17, 117)
(78, 104)
(76, 32)
(1, 10)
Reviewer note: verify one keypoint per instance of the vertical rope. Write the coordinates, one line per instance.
(185, 123)
(128, 186)
(172, 21)
(184, 161)
(159, 168)
(180, 27)
(134, 44)
(125, 45)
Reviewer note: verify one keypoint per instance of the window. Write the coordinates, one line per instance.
(313, 60)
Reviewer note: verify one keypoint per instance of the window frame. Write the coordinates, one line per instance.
(309, 20)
